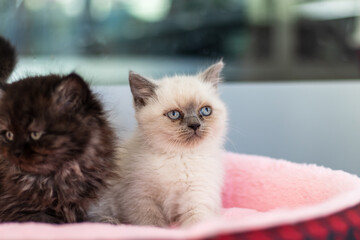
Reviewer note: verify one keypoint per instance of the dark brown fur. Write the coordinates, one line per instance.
(7, 59)
(52, 179)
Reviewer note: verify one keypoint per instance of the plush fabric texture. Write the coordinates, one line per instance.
(263, 198)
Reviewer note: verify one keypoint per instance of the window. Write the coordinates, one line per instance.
(260, 40)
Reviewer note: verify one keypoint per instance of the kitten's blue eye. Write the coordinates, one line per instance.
(205, 111)
(174, 115)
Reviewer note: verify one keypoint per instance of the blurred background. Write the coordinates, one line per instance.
(292, 66)
(260, 40)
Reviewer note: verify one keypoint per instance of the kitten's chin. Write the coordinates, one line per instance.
(37, 169)
(190, 141)
(193, 139)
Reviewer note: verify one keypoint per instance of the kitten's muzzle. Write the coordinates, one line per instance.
(194, 126)
(192, 122)
(17, 153)
(17, 150)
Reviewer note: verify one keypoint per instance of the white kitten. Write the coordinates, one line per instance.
(171, 170)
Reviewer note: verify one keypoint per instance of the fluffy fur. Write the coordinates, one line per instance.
(56, 147)
(7, 59)
(171, 170)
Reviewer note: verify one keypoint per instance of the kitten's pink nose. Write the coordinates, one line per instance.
(194, 126)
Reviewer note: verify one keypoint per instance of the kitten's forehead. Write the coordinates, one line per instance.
(21, 109)
(185, 92)
(30, 93)
(24, 108)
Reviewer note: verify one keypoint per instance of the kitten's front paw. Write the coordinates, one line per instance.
(190, 219)
(156, 221)
(43, 217)
(110, 220)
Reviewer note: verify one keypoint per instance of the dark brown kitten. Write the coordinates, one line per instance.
(56, 147)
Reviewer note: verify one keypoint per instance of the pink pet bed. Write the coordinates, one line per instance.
(263, 198)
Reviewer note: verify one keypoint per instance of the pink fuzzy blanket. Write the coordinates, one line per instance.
(263, 198)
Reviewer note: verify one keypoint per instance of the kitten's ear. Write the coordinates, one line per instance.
(212, 74)
(7, 59)
(71, 93)
(141, 89)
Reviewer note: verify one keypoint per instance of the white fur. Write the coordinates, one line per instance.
(163, 181)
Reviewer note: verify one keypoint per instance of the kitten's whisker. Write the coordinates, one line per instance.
(239, 131)
(236, 149)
